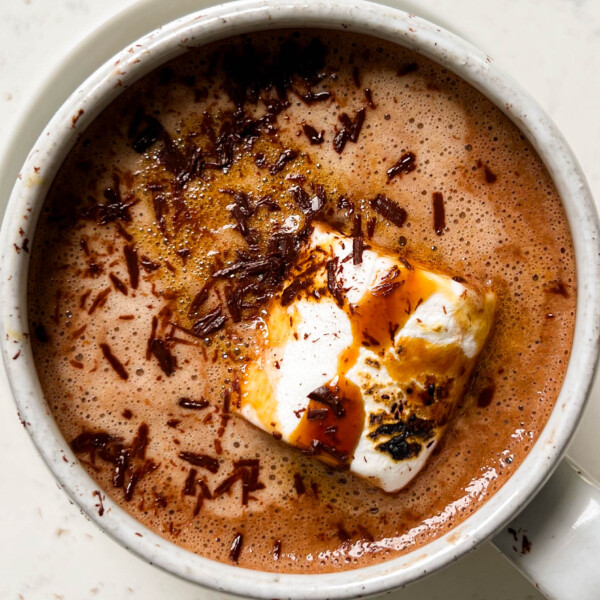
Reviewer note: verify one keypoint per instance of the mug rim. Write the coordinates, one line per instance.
(223, 21)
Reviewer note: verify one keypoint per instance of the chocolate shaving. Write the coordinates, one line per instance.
(236, 547)
(201, 460)
(233, 299)
(557, 287)
(246, 462)
(99, 300)
(193, 404)
(344, 203)
(357, 240)
(121, 468)
(184, 254)
(369, 98)
(325, 395)
(198, 505)
(148, 265)
(211, 322)
(302, 281)
(200, 298)
(350, 131)
(192, 167)
(122, 231)
(339, 141)
(319, 446)
(246, 267)
(90, 441)
(227, 483)
(241, 210)
(389, 209)
(439, 213)
(123, 458)
(369, 340)
(353, 126)
(302, 199)
(405, 165)
(292, 290)
(160, 210)
(486, 396)
(189, 487)
(285, 157)
(371, 227)
(140, 442)
(317, 414)
(406, 264)
(312, 97)
(170, 156)
(166, 360)
(490, 177)
(386, 287)
(314, 137)
(118, 284)
(299, 484)
(113, 209)
(335, 289)
(137, 474)
(204, 489)
(114, 362)
(131, 259)
(268, 202)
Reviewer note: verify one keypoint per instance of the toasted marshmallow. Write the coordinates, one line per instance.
(361, 365)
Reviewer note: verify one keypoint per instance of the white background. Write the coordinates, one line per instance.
(47, 47)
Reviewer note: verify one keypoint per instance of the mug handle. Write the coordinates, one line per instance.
(555, 541)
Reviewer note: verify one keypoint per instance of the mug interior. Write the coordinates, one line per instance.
(211, 25)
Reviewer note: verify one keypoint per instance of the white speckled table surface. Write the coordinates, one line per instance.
(48, 550)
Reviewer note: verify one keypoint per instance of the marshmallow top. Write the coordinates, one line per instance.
(362, 364)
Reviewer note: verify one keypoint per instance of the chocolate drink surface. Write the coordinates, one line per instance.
(167, 237)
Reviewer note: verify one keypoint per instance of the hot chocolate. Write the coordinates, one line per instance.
(174, 228)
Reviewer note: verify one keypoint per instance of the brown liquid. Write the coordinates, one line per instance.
(140, 358)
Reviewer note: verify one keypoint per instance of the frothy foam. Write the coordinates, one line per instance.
(503, 222)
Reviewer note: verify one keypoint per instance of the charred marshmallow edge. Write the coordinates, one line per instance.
(362, 365)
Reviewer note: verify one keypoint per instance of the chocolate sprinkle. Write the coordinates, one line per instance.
(200, 460)
(236, 547)
(405, 165)
(211, 322)
(193, 404)
(439, 213)
(389, 209)
(327, 396)
(131, 258)
(335, 289)
(166, 359)
(114, 362)
(313, 135)
(299, 484)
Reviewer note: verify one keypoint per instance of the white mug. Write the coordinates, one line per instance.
(564, 520)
